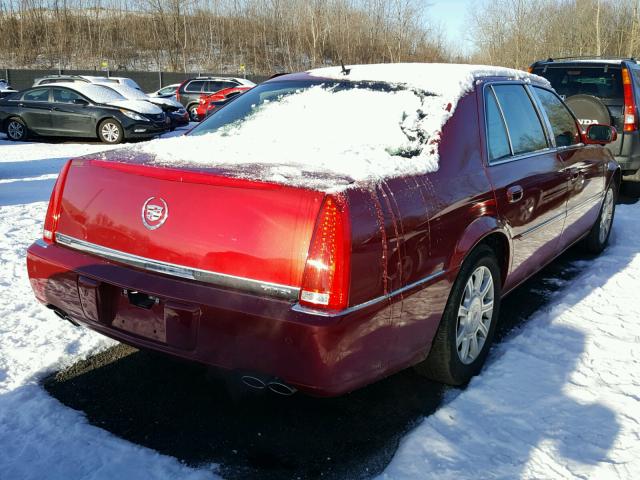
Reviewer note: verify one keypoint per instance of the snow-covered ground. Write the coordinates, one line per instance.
(560, 398)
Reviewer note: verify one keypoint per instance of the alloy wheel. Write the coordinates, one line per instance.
(606, 217)
(15, 130)
(110, 132)
(475, 315)
(193, 113)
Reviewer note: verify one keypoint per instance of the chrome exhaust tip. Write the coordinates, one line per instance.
(281, 388)
(253, 382)
(63, 315)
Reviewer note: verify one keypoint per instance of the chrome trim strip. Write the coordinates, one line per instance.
(322, 313)
(219, 279)
(537, 227)
(559, 216)
(599, 196)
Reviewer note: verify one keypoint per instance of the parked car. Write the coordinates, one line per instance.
(166, 92)
(604, 91)
(208, 103)
(189, 91)
(300, 271)
(175, 111)
(85, 79)
(79, 110)
(5, 88)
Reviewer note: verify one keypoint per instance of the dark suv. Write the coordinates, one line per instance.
(601, 91)
(189, 91)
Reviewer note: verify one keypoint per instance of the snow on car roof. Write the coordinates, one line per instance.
(361, 134)
(438, 78)
(94, 92)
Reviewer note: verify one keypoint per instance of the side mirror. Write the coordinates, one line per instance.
(597, 134)
(80, 101)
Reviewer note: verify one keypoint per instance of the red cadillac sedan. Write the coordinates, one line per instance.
(329, 228)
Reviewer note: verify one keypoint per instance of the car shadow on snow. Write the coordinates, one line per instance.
(202, 418)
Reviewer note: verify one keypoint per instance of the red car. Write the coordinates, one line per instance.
(327, 282)
(208, 103)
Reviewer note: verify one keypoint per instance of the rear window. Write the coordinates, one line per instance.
(598, 81)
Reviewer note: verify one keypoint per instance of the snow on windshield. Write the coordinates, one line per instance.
(359, 133)
(126, 91)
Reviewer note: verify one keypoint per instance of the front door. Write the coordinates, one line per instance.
(583, 166)
(67, 117)
(528, 178)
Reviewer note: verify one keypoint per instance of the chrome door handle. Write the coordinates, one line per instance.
(515, 194)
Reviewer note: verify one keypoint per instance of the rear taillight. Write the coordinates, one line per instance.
(325, 282)
(630, 111)
(55, 202)
(178, 90)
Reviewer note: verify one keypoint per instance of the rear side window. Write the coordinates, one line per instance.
(562, 122)
(37, 95)
(497, 139)
(523, 124)
(598, 81)
(195, 86)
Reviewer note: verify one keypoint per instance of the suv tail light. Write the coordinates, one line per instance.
(55, 202)
(325, 281)
(630, 111)
(178, 90)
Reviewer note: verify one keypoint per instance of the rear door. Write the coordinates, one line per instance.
(528, 177)
(68, 118)
(35, 110)
(583, 166)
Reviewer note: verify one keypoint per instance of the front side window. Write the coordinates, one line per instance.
(523, 124)
(497, 139)
(37, 95)
(63, 95)
(562, 122)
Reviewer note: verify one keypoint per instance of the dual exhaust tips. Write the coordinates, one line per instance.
(272, 384)
(251, 381)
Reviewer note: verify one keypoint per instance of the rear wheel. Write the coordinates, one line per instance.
(110, 131)
(17, 129)
(598, 237)
(466, 330)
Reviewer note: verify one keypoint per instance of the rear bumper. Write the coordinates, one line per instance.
(629, 155)
(320, 355)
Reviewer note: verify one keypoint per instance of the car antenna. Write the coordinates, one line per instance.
(345, 71)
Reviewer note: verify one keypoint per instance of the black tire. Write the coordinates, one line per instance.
(589, 109)
(110, 131)
(597, 239)
(443, 364)
(193, 114)
(17, 130)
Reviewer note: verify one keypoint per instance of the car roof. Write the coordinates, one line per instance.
(423, 76)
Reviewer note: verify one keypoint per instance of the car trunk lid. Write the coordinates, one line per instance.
(205, 225)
